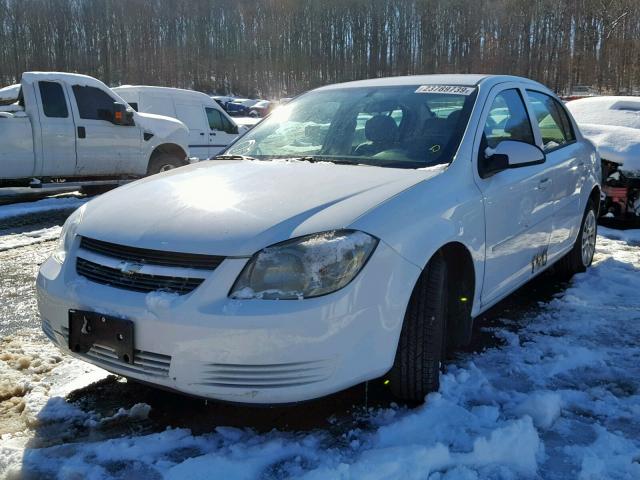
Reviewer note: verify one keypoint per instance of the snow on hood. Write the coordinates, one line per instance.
(616, 144)
(10, 93)
(614, 111)
(235, 208)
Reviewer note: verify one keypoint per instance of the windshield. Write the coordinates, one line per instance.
(400, 126)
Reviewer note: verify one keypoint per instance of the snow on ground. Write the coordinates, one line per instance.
(45, 205)
(559, 399)
(16, 240)
(629, 236)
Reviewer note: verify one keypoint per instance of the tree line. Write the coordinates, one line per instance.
(275, 48)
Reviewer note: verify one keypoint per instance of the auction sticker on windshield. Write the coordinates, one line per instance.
(450, 89)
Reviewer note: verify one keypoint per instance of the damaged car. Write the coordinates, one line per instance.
(613, 125)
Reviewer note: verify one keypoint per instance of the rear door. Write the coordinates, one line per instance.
(518, 207)
(57, 130)
(566, 162)
(193, 117)
(221, 131)
(103, 148)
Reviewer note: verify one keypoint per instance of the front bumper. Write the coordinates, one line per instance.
(247, 351)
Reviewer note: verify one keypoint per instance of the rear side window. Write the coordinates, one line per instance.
(554, 123)
(93, 103)
(134, 105)
(508, 120)
(54, 104)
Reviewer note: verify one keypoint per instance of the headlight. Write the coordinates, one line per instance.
(67, 234)
(305, 267)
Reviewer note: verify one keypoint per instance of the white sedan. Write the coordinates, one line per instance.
(353, 234)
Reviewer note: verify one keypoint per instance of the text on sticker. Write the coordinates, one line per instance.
(448, 89)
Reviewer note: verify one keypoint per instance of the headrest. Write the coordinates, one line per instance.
(518, 129)
(381, 129)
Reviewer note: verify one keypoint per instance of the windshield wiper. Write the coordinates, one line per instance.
(316, 159)
(233, 157)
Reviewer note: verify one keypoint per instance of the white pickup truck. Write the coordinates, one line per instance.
(70, 126)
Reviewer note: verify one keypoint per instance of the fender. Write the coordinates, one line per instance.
(159, 130)
(463, 222)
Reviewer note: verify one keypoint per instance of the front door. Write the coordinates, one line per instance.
(103, 148)
(518, 201)
(221, 131)
(57, 130)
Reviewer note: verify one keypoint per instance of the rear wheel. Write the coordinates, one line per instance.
(164, 162)
(581, 255)
(422, 345)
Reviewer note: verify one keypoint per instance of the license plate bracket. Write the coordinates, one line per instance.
(87, 329)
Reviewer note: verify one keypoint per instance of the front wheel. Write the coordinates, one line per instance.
(581, 255)
(422, 345)
(163, 163)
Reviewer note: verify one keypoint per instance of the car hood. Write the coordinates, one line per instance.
(235, 208)
(161, 125)
(617, 144)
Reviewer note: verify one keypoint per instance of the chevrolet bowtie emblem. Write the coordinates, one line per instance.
(129, 268)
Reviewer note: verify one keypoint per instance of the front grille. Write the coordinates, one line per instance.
(138, 282)
(151, 257)
(277, 375)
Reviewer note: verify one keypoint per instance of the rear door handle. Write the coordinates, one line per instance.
(82, 133)
(212, 133)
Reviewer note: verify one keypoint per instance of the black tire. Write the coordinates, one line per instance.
(422, 345)
(163, 162)
(574, 261)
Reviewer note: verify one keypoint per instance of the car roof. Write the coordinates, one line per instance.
(165, 91)
(74, 78)
(466, 80)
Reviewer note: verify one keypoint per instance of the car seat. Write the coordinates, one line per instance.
(382, 132)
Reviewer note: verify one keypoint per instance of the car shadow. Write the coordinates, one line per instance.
(30, 222)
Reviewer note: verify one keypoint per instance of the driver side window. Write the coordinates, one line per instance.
(93, 103)
(215, 119)
(507, 120)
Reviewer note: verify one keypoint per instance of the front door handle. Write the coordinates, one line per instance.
(542, 184)
(82, 133)
(212, 133)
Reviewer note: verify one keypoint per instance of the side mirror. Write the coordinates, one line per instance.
(510, 154)
(121, 114)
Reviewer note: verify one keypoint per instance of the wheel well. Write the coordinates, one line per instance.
(171, 149)
(461, 286)
(594, 197)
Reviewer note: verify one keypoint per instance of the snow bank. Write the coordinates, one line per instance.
(628, 236)
(34, 378)
(15, 240)
(48, 204)
(616, 144)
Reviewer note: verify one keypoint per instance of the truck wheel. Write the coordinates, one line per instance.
(163, 162)
(422, 345)
(581, 255)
